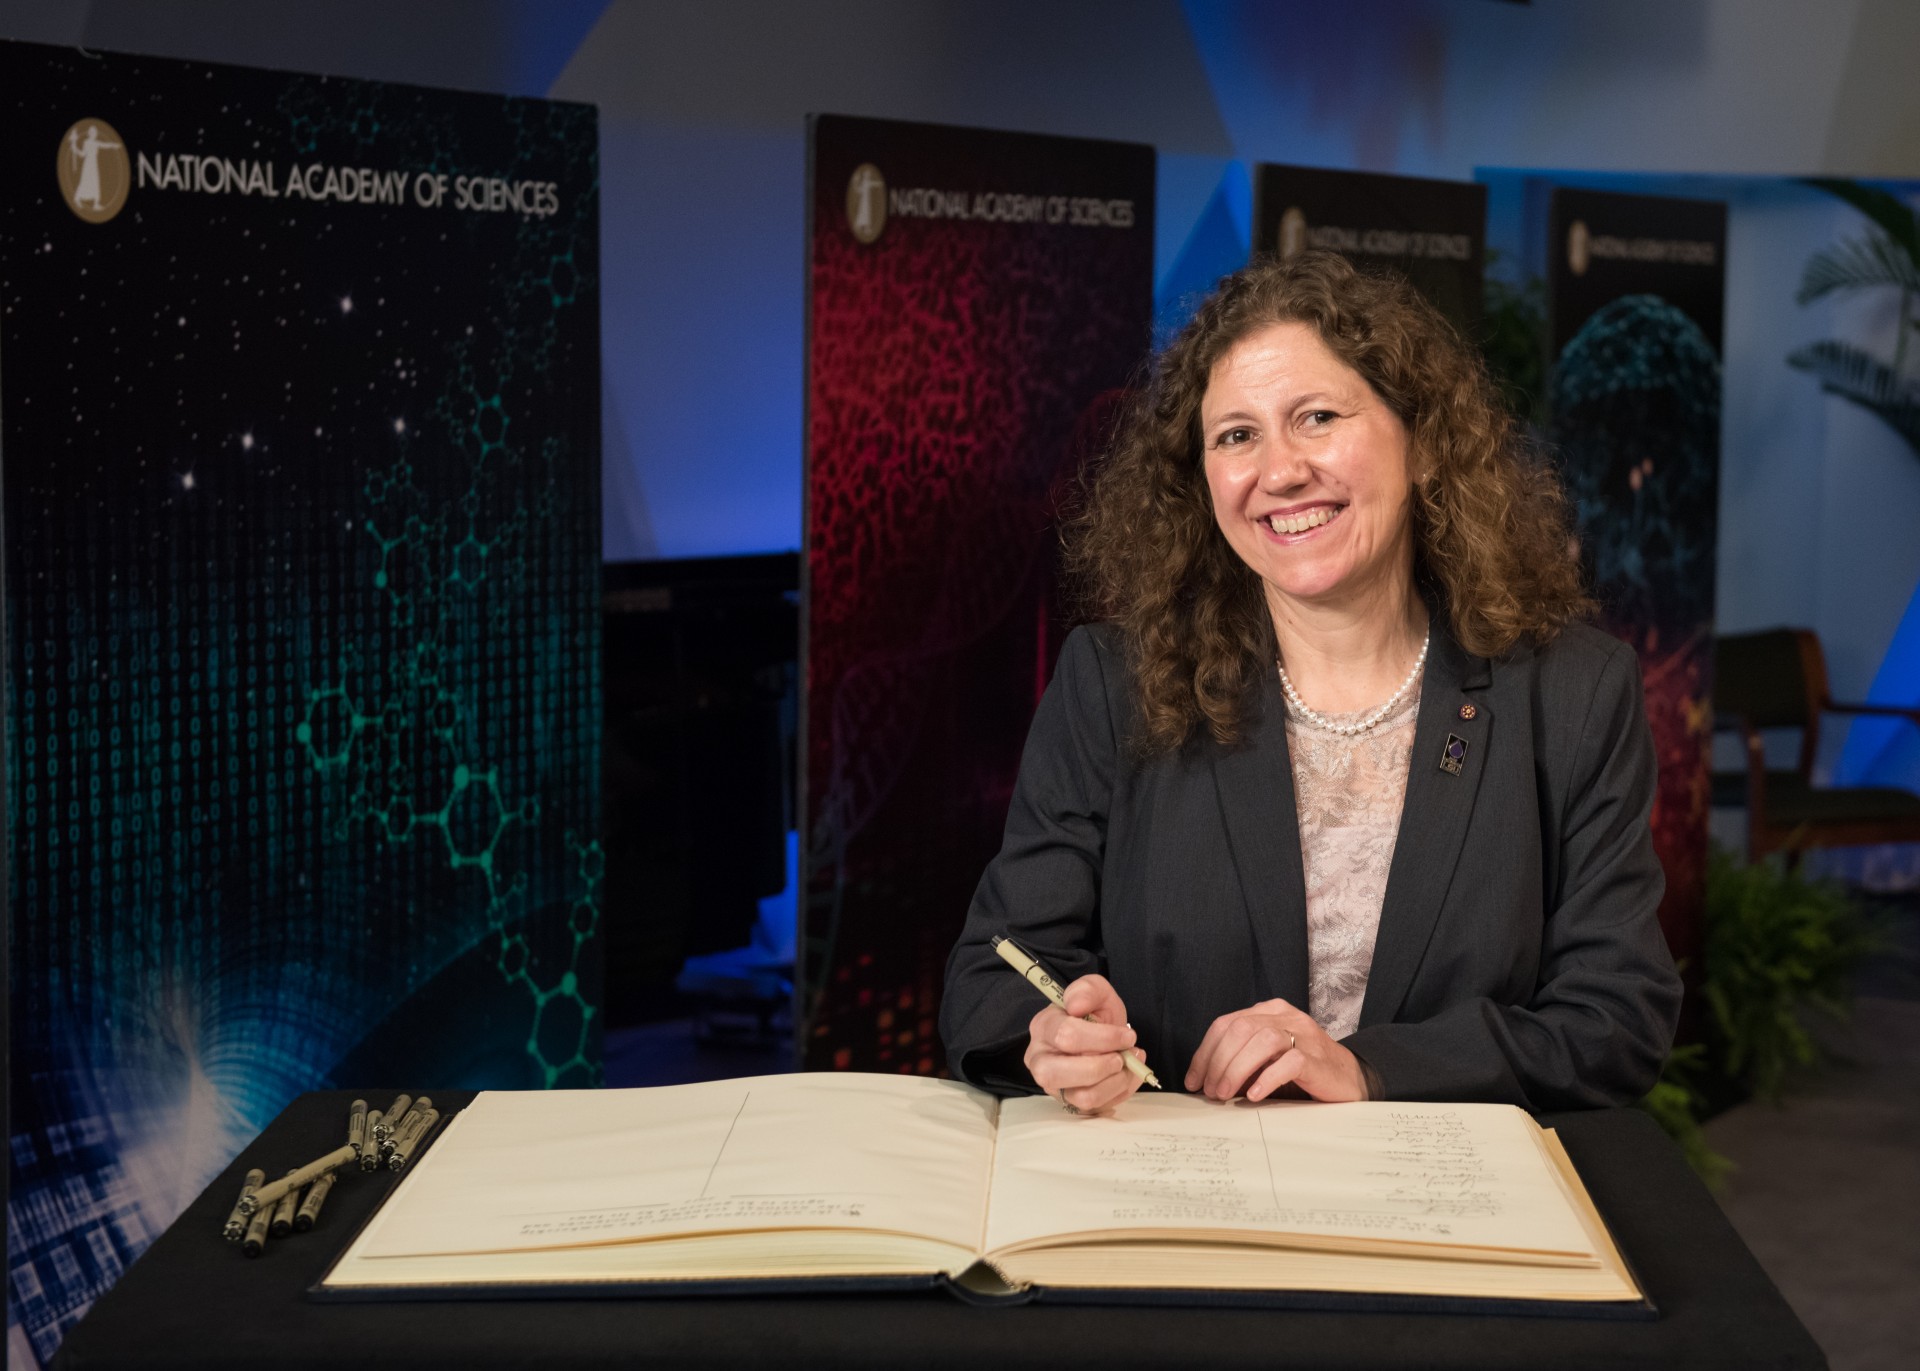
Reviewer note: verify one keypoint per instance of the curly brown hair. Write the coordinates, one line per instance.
(1491, 528)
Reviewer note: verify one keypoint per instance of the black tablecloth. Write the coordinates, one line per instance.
(194, 1301)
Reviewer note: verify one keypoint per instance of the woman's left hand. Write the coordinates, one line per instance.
(1257, 1050)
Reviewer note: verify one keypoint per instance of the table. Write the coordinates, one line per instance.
(193, 1301)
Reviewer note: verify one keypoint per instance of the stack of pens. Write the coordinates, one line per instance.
(383, 1138)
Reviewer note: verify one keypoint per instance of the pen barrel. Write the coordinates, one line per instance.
(1040, 979)
(282, 1222)
(256, 1239)
(1045, 984)
(370, 1146)
(1035, 974)
(409, 1129)
(405, 1146)
(357, 1126)
(414, 1111)
(391, 1116)
(269, 1194)
(236, 1225)
(310, 1206)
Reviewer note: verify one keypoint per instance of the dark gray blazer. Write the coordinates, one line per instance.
(1518, 958)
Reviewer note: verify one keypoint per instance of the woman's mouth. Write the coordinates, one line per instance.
(1305, 521)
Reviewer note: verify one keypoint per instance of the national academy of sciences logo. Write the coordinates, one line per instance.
(1293, 232)
(95, 171)
(1578, 254)
(866, 202)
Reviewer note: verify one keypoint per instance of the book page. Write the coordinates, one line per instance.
(1377, 1175)
(522, 1170)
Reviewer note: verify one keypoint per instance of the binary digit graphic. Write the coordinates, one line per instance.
(299, 382)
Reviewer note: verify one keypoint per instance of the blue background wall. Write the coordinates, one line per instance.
(702, 147)
(703, 153)
(702, 104)
(702, 157)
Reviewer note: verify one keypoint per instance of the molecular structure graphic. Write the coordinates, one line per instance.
(398, 732)
(467, 809)
(561, 1016)
(401, 725)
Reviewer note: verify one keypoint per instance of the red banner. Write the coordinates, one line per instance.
(978, 301)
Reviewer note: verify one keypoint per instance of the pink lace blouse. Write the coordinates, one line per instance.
(1349, 792)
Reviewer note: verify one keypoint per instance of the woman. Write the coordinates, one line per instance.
(1341, 797)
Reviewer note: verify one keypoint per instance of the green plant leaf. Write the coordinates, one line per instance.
(1858, 263)
(1857, 375)
(1675, 1103)
(1513, 339)
(1898, 221)
(1776, 947)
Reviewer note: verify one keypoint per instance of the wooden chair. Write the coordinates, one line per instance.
(1778, 679)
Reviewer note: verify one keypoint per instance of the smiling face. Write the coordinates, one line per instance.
(1309, 470)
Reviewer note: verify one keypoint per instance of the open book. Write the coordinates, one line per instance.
(877, 1180)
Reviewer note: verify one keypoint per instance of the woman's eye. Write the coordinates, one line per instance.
(1319, 418)
(1233, 437)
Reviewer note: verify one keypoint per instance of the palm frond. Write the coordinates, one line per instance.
(1859, 376)
(1875, 260)
(1893, 215)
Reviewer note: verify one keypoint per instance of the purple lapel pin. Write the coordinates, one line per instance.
(1453, 757)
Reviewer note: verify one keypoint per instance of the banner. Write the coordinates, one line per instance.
(977, 303)
(299, 429)
(1434, 233)
(1636, 293)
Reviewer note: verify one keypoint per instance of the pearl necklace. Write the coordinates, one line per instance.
(1354, 729)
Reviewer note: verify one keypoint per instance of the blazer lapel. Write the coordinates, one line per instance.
(1433, 820)
(1255, 782)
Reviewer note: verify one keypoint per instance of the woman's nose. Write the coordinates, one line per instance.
(1282, 467)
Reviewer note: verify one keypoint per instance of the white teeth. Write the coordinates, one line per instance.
(1300, 523)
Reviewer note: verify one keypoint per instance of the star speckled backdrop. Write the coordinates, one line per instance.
(302, 561)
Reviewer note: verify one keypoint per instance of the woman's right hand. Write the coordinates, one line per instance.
(1078, 1062)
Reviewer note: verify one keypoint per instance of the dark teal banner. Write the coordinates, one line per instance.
(299, 427)
(1637, 295)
